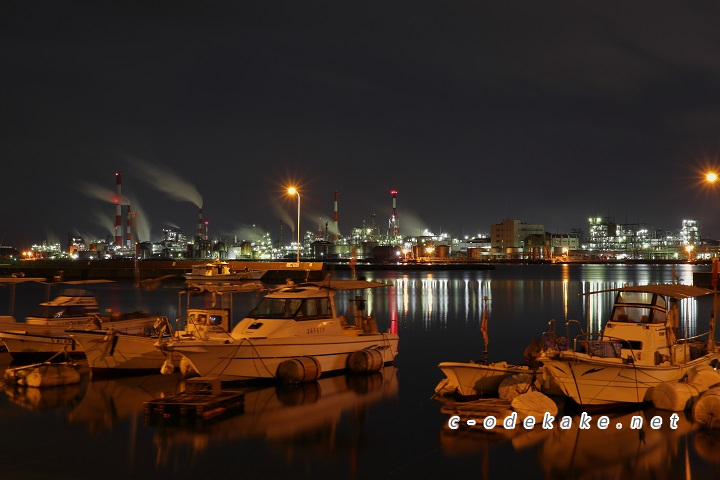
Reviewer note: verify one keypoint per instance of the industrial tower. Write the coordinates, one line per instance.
(394, 227)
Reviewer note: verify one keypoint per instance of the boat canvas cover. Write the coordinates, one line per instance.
(347, 284)
(675, 290)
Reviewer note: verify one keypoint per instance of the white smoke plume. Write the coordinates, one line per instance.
(168, 182)
(102, 193)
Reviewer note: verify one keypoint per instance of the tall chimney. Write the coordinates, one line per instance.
(200, 225)
(128, 236)
(335, 218)
(118, 210)
(394, 227)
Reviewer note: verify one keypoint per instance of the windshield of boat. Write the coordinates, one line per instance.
(297, 308)
(639, 307)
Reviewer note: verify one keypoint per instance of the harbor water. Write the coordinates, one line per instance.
(385, 425)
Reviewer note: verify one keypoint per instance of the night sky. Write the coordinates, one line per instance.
(474, 111)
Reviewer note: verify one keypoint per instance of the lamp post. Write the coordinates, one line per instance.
(293, 191)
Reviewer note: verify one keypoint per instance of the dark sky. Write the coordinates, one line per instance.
(475, 111)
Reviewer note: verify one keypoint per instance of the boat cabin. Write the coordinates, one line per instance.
(211, 269)
(643, 328)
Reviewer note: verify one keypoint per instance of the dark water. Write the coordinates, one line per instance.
(380, 426)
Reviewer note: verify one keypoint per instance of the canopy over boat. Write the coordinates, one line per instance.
(675, 290)
(345, 284)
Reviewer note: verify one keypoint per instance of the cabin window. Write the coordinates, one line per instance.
(276, 308)
(632, 314)
(314, 308)
(215, 320)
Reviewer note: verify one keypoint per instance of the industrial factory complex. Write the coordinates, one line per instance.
(384, 241)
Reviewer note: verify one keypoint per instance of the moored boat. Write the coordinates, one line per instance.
(109, 352)
(220, 272)
(638, 348)
(44, 333)
(474, 379)
(294, 325)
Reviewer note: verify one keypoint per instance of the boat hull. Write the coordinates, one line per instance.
(249, 359)
(598, 382)
(26, 341)
(477, 379)
(27, 347)
(112, 352)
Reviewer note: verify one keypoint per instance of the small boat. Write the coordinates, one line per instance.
(45, 374)
(470, 379)
(295, 335)
(110, 352)
(44, 333)
(638, 348)
(220, 272)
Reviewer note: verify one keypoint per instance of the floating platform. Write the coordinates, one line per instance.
(203, 400)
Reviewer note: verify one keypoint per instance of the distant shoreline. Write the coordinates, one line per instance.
(66, 270)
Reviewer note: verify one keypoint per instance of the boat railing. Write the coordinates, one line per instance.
(551, 342)
(602, 345)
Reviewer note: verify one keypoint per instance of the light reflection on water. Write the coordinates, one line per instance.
(383, 425)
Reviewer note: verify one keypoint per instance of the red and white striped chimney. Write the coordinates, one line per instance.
(118, 209)
(128, 235)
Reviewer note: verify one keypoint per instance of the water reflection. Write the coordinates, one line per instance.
(343, 426)
(304, 416)
(615, 452)
(108, 401)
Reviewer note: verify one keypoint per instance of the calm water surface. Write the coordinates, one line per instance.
(379, 426)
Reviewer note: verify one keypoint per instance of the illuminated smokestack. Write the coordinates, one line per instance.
(200, 224)
(335, 218)
(394, 227)
(128, 236)
(118, 210)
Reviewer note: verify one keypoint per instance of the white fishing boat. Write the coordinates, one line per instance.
(111, 352)
(295, 334)
(475, 379)
(639, 347)
(44, 333)
(108, 351)
(220, 272)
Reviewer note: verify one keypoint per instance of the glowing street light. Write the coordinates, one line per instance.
(293, 191)
(711, 177)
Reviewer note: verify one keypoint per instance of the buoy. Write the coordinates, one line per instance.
(46, 374)
(673, 396)
(533, 404)
(364, 361)
(187, 369)
(299, 370)
(703, 377)
(706, 410)
(513, 386)
(167, 367)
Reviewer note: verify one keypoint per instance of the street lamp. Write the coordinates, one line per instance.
(293, 191)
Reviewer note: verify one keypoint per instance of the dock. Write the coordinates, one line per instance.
(203, 400)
